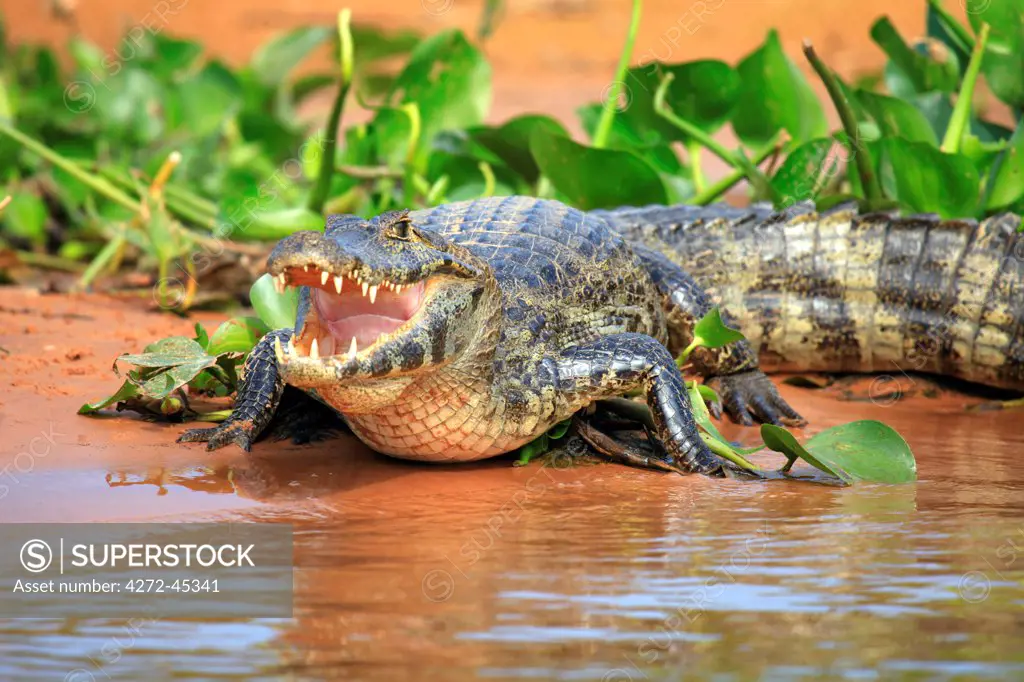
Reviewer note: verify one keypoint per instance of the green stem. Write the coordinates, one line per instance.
(700, 183)
(604, 124)
(215, 416)
(724, 451)
(45, 260)
(685, 355)
(736, 159)
(719, 188)
(100, 185)
(955, 29)
(318, 197)
(489, 182)
(961, 118)
(868, 179)
(106, 254)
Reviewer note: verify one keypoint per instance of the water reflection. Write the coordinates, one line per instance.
(601, 572)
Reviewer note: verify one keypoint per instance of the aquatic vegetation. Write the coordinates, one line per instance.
(179, 159)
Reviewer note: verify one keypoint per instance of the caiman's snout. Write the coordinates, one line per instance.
(378, 299)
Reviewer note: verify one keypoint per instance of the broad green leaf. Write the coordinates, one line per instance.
(273, 61)
(237, 335)
(25, 217)
(257, 225)
(169, 352)
(209, 98)
(773, 96)
(701, 414)
(511, 141)
(129, 108)
(711, 332)
(702, 92)
(859, 451)
(560, 429)
(449, 80)
(1003, 63)
(172, 56)
(929, 181)
(277, 311)
(1006, 185)
(707, 393)
(916, 67)
(166, 382)
(128, 390)
(624, 136)
(595, 178)
(806, 171)
(897, 118)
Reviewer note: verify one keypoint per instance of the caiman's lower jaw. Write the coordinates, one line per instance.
(348, 317)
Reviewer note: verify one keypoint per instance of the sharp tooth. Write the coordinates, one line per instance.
(278, 351)
(398, 288)
(352, 350)
(292, 351)
(314, 350)
(324, 275)
(305, 268)
(373, 293)
(338, 279)
(366, 287)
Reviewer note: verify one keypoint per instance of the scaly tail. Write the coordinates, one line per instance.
(838, 291)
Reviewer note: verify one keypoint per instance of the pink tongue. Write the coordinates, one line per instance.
(366, 329)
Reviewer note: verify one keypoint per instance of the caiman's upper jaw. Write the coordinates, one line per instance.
(348, 315)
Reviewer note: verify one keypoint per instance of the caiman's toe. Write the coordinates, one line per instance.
(751, 396)
(219, 436)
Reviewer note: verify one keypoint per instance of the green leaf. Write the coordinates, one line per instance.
(277, 311)
(913, 69)
(929, 181)
(773, 96)
(703, 93)
(253, 224)
(805, 171)
(559, 430)
(272, 62)
(172, 56)
(209, 99)
(1003, 62)
(25, 217)
(128, 390)
(449, 80)
(897, 118)
(595, 178)
(859, 451)
(169, 352)
(237, 335)
(1006, 186)
(701, 414)
(511, 141)
(711, 332)
(708, 393)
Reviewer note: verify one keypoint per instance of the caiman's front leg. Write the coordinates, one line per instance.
(259, 393)
(732, 370)
(619, 363)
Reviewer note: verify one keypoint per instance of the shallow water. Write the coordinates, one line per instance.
(595, 572)
(487, 571)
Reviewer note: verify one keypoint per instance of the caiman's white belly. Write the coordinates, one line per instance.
(440, 422)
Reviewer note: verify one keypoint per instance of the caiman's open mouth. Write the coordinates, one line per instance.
(348, 316)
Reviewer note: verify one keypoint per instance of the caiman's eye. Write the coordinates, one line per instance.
(397, 225)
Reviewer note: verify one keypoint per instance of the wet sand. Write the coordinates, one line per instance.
(491, 571)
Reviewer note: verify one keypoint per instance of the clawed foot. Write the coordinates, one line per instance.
(749, 397)
(219, 436)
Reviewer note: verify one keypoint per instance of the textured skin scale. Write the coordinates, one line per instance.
(848, 293)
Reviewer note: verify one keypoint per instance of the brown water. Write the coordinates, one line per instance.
(487, 571)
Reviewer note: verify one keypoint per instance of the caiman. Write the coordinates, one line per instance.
(464, 331)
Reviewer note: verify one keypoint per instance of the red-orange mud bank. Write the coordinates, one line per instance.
(58, 466)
